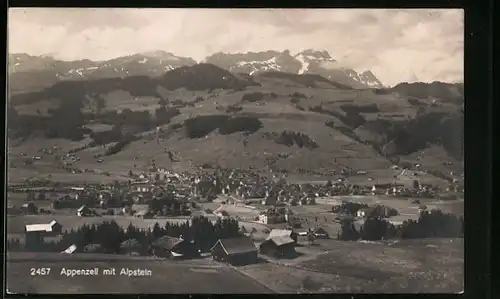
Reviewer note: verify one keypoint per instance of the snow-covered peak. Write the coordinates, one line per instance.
(309, 57)
(368, 78)
(318, 55)
(155, 63)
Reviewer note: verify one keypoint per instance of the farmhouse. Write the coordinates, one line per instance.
(12, 209)
(280, 243)
(235, 251)
(278, 247)
(320, 233)
(83, 211)
(167, 246)
(35, 233)
(29, 208)
(283, 233)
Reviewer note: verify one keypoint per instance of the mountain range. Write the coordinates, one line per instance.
(32, 73)
(257, 105)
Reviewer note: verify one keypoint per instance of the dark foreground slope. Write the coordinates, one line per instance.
(410, 266)
(167, 277)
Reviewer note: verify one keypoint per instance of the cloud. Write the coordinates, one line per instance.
(394, 44)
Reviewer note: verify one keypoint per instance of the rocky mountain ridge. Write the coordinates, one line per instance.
(29, 73)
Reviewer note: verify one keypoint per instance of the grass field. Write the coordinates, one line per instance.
(276, 114)
(167, 277)
(409, 266)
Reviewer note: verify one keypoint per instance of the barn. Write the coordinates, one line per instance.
(83, 211)
(279, 247)
(49, 229)
(35, 234)
(283, 233)
(167, 246)
(235, 251)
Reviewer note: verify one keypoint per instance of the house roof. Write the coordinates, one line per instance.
(280, 233)
(237, 245)
(167, 242)
(82, 208)
(130, 243)
(70, 249)
(47, 227)
(281, 240)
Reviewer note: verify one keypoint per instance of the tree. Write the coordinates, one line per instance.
(243, 230)
(30, 196)
(157, 177)
(347, 231)
(41, 196)
(311, 237)
(157, 231)
(416, 185)
(130, 174)
(374, 229)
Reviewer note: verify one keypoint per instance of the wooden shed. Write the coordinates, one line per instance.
(235, 251)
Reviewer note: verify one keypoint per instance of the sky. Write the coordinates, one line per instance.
(396, 45)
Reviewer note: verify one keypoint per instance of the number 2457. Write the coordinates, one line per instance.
(39, 271)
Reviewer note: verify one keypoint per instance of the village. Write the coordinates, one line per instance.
(274, 218)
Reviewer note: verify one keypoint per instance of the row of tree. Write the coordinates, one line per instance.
(109, 235)
(296, 138)
(429, 225)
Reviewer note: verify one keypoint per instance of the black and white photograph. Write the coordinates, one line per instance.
(234, 151)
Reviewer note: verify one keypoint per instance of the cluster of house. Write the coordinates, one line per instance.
(279, 215)
(236, 251)
(423, 190)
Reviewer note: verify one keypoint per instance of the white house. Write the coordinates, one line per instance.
(50, 228)
(144, 188)
(270, 219)
(360, 213)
